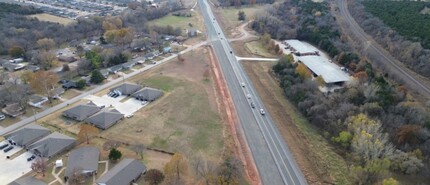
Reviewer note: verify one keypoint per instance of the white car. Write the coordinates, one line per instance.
(242, 84)
(2, 117)
(249, 96)
(262, 112)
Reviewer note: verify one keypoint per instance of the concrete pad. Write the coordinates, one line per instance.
(128, 108)
(11, 170)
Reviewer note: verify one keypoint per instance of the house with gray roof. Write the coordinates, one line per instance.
(105, 73)
(81, 112)
(27, 134)
(128, 65)
(52, 144)
(127, 88)
(115, 69)
(55, 93)
(125, 172)
(13, 110)
(37, 100)
(27, 180)
(148, 94)
(105, 119)
(12, 67)
(84, 160)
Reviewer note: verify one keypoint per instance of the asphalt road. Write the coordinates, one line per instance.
(381, 56)
(274, 162)
(95, 90)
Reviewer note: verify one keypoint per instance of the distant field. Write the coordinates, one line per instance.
(178, 21)
(257, 48)
(52, 18)
(230, 14)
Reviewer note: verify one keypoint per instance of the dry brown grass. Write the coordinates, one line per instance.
(52, 18)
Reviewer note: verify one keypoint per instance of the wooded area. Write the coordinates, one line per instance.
(407, 35)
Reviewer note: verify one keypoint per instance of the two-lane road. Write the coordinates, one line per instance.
(274, 162)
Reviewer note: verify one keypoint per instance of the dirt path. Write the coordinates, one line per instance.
(271, 94)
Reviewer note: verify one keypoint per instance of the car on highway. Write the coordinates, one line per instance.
(252, 105)
(231, 52)
(248, 96)
(242, 84)
(262, 112)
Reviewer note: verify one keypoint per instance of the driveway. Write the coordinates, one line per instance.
(128, 107)
(11, 170)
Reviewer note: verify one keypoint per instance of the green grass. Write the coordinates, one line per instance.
(160, 82)
(175, 21)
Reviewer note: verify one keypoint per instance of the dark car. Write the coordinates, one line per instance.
(252, 105)
(3, 146)
(8, 149)
(31, 158)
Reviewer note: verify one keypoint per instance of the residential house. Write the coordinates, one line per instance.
(52, 145)
(128, 65)
(192, 32)
(27, 135)
(124, 173)
(115, 69)
(148, 94)
(156, 53)
(67, 59)
(17, 60)
(56, 92)
(81, 112)
(105, 119)
(69, 85)
(127, 88)
(167, 49)
(149, 56)
(13, 110)
(27, 180)
(37, 100)
(105, 73)
(33, 68)
(12, 66)
(84, 160)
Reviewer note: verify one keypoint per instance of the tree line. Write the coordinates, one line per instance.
(373, 121)
(407, 39)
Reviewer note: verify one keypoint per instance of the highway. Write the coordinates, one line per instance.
(95, 90)
(380, 56)
(272, 157)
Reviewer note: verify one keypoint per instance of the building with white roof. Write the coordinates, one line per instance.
(317, 62)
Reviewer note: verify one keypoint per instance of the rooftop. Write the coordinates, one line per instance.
(85, 159)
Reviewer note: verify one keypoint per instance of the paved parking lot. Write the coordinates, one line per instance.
(11, 170)
(127, 108)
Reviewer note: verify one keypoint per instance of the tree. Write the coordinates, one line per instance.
(45, 59)
(45, 44)
(80, 51)
(205, 170)
(77, 177)
(139, 149)
(96, 77)
(40, 165)
(303, 71)
(372, 171)
(181, 59)
(80, 84)
(176, 169)
(87, 132)
(43, 82)
(408, 134)
(344, 139)
(266, 38)
(241, 16)
(390, 181)
(16, 51)
(206, 74)
(154, 176)
(230, 171)
(406, 163)
(114, 154)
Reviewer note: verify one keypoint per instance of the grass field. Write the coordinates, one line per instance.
(255, 47)
(177, 21)
(230, 14)
(52, 18)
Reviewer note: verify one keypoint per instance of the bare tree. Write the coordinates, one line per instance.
(109, 144)
(45, 44)
(77, 177)
(43, 82)
(204, 169)
(40, 165)
(139, 149)
(86, 132)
